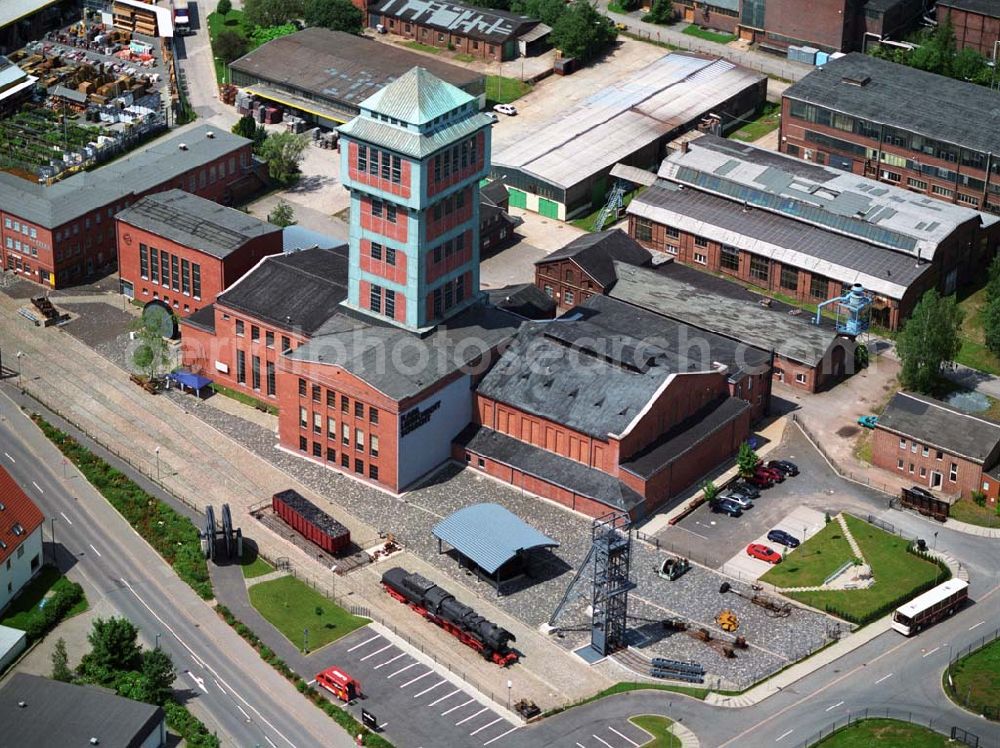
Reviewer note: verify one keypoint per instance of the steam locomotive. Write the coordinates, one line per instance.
(440, 606)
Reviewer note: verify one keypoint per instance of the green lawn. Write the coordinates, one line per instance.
(769, 119)
(812, 562)
(884, 733)
(898, 575)
(973, 351)
(292, 607)
(242, 397)
(48, 580)
(232, 21)
(966, 510)
(464, 57)
(423, 47)
(659, 728)
(254, 566)
(712, 36)
(503, 90)
(977, 679)
(587, 222)
(616, 7)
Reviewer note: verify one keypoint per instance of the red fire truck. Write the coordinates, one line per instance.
(339, 683)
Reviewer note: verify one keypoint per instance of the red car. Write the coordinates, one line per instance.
(761, 478)
(776, 475)
(762, 552)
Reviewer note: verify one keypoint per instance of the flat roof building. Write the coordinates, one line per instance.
(563, 167)
(857, 113)
(325, 75)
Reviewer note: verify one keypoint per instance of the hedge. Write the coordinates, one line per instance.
(189, 727)
(47, 617)
(340, 716)
(170, 533)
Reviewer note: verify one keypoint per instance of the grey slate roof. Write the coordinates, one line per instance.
(598, 366)
(709, 303)
(196, 222)
(203, 319)
(686, 435)
(300, 290)
(947, 109)
(493, 26)
(362, 345)
(494, 191)
(989, 8)
(548, 466)
(134, 173)
(490, 535)
(597, 252)
(938, 424)
(63, 714)
(523, 299)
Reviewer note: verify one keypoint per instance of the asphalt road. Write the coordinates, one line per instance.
(249, 703)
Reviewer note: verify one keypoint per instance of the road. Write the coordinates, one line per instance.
(248, 702)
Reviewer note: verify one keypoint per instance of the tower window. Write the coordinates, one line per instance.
(375, 300)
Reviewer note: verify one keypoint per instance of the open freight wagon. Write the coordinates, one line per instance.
(310, 521)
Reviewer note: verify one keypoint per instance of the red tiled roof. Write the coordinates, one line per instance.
(17, 509)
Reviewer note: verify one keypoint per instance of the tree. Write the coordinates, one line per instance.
(223, 7)
(114, 650)
(746, 460)
(152, 354)
(271, 12)
(582, 32)
(546, 11)
(230, 45)
(710, 491)
(283, 152)
(60, 663)
(339, 15)
(929, 339)
(158, 673)
(247, 127)
(282, 215)
(264, 34)
(661, 12)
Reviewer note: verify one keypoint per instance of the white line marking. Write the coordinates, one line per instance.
(376, 652)
(37, 486)
(515, 727)
(219, 685)
(311, 682)
(488, 724)
(444, 697)
(884, 677)
(68, 520)
(457, 707)
(418, 695)
(928, 654)
(401, 654)
(244, 711)
(382, 726)
(580, 746)
(419, 677)
(471, 716)
(402, 669)
(94, 549)
(366, 641)
(785, 735)
(199, 681)
(830, 709)
(603, 741)
(269, 740)
(9, 457)
(624, 737)
(977, 625)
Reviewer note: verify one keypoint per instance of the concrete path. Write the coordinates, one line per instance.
(973, 379)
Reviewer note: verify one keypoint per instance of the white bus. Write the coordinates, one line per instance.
(182, 22)
(930, 607)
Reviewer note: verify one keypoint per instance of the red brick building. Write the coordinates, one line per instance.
(976, 23)
(721, 15)
(183, 250)
(62, 233)
(938, 446)
(614, 407)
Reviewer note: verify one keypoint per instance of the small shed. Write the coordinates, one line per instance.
(491, 540)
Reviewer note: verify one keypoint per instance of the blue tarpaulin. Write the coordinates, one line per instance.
(189, 379)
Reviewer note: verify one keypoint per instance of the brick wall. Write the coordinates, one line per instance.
(566, 282)
(439, 179)
(921, 461)
(403, 188)
(972, 30)
(828, 24)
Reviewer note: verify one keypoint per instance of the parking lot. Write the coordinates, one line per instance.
(802, 523)
(417, 704)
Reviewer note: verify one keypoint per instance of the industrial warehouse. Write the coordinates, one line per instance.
(562, 169)
(324, 75)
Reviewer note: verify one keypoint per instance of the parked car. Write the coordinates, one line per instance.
(509, 109)
(761, 478)
(786, 467)
(493, 118)
(743, 502)
(747, 489)
(762, 552)
(724, 506)
(868, 422)
(777, 476)
(783, 538)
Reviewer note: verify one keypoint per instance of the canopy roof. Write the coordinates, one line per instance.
(490, 535)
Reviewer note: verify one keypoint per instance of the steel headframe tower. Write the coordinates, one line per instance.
(612, 549)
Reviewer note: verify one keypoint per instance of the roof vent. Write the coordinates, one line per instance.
(182, 147)
(856, 80)
(2, 506)
(22, 704)
(209, 134)
(94, 741)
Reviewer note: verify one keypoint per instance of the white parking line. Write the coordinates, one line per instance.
(37, 486)
(367, 656)
(94, 549)
(624, 737)
(831, 708)
(457, 707)
(488, 724)
(68, 520)
(471, 716)
(366, 641)
(418, 695)
(270, 742)
(783, 736)
(9, 457)
(884, 677)
(403, 669)
(448, 696)
(928, 654)
(382, 665)
(976, 625)
(419, 677)
(603, 741)
(503, 734)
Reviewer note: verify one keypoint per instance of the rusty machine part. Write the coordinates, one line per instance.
(727, 621)
(775, 608)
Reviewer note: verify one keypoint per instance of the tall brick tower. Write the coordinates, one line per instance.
(413, 160)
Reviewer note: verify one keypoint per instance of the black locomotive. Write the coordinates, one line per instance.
(440, 606)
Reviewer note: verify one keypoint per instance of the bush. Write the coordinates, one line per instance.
(189, 727)
(979, 497)
(65, 595)
(223, 7)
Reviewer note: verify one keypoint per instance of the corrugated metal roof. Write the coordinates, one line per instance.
(490, 535)
(417, 97)
(12, 10)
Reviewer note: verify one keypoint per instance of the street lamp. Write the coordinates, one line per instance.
(509, 685)
(305, 641)
(53, 523)
(157, 644)
(333, 575)
(19, 355)
(157, 450)
(935, 540)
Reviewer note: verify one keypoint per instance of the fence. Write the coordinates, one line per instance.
(966, 700)
(861, 480)
(913, 718)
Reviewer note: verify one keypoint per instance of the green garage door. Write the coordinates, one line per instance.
(548, 208)
(517, 198)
